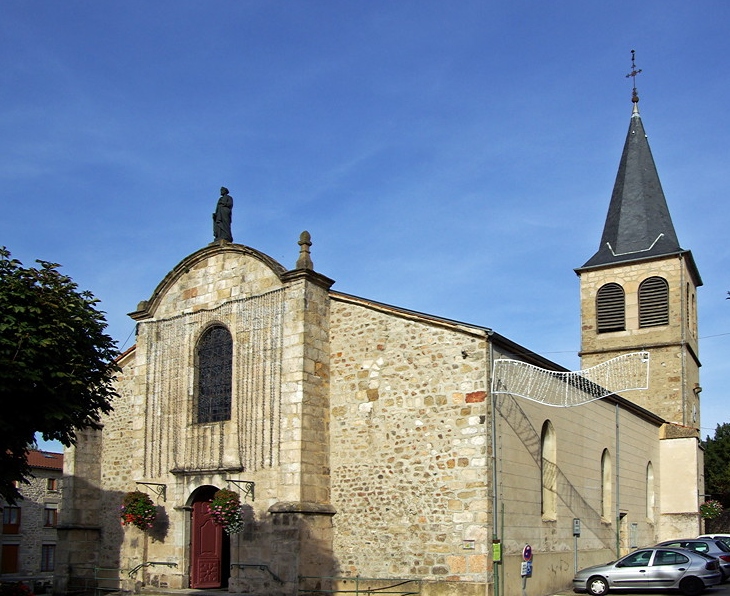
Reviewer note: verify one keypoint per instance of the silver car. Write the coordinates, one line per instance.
(657, 568)
(724, 537)
(715, 548)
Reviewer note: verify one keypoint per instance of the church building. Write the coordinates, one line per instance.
(367, 442)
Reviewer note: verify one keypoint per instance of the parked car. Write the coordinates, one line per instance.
(655, 568)
(708, 546)
(724, 537)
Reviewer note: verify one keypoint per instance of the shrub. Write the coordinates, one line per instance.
(710, 509)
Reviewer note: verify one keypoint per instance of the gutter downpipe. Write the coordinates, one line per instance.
(495, 504)
(618, 486)
(683, 322)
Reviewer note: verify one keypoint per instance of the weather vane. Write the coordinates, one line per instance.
(632, 74)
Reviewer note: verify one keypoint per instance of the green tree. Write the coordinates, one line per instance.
(56, 363)
(717, 464)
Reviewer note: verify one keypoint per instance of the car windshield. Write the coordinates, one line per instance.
(722, 546)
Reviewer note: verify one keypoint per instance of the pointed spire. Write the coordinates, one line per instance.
(638, 224)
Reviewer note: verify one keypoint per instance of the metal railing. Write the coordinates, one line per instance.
(100, 580)
(97, 580)
(134, 570)
(408, 587)
(260, 567)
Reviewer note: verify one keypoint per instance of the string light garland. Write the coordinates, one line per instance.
(173, 437)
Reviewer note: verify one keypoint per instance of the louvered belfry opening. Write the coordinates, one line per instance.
(610, 308)
(215, 359)
(653, 302)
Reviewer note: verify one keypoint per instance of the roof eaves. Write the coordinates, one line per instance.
(411, 314)
(680, 253)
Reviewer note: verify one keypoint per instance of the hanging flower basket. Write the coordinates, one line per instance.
(710, 509)
(138, 510)
(226, 511)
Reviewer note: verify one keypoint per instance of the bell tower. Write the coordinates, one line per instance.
(638, 291)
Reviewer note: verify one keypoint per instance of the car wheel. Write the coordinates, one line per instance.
(597, 585)
(691, 586)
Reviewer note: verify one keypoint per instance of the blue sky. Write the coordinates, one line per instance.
(455, 158)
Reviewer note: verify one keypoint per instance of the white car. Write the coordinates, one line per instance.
(724, 537)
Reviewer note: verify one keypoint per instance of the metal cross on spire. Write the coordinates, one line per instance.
(632, 74)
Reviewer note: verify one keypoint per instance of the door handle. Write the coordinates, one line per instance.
(642, 570)
(682, 569)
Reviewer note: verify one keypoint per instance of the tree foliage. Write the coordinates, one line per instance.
(717, 464)
(56, 363)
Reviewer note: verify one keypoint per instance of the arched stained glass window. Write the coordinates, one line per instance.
(549, 473)
(606, 486)
(650, 494)
(214, 360)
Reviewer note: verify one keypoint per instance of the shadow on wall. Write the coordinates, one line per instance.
(83, 561)
(287, 551)
(510, 410)
(161, 525)
(283, 552)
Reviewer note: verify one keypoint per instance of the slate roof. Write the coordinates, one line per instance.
(638, 225)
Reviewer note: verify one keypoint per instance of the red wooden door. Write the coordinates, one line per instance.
(9, 561)
(207, 548)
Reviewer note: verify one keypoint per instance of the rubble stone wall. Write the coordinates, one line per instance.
(410, 473)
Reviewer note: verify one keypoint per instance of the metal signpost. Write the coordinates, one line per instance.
(526, 570)
(576, 535)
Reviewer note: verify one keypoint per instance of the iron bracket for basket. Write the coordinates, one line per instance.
(247, 487)
(159, 489)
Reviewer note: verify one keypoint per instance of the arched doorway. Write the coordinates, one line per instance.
(209, 545)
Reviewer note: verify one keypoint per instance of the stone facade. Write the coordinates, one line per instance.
(275, 436)
(673, 392)
(673, 385)
(410, 474)
(29, 549)
(369, 435)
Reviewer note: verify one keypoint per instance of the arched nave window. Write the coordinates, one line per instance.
(650, 495)
(610, 308)
(549, 472)
(214, 369)
(606, 486)
(653, 302)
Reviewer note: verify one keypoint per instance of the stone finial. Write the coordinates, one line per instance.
(305, 260)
